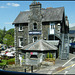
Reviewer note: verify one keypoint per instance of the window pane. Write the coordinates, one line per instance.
(21, 39)
(33, 56)
(20, 27)
(35, 39)
(35, 26)
(21, 43)
(51, 27)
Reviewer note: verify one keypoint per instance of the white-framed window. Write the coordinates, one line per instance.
(34, 26)
(20, 28)
(34, 39)
(20, 42)
(59, 27)
(52, 27)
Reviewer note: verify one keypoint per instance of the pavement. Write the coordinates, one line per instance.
(60, 67)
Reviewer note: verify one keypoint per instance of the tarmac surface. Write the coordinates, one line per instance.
(60, 67)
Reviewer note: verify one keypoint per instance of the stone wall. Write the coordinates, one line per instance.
(22, 34)
(45, 29)
(31, 37)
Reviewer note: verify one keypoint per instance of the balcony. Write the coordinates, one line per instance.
(54, 32)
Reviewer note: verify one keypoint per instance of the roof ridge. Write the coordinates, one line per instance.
(50, 45)
(33, 44)
(24, 11)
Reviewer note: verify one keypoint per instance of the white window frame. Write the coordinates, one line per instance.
(20, 42)
(19, 27)
(52, 28)
(52, 25)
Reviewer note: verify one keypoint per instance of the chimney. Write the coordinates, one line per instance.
(67, 22)
(66, 17)
(35, 5)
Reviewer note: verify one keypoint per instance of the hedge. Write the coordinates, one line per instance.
(7, 62)
(4, 62)
(11, 61)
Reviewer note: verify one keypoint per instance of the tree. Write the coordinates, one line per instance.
(8, 40)
(11, 32)
(1, 36)
(4, 32)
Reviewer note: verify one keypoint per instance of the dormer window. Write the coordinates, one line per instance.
(34, 26)
(20, 28)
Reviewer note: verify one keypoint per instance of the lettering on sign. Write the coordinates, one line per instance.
(33, 53)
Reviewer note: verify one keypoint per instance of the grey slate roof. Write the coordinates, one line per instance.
(52, 14)
(53, 42)
(40, 45)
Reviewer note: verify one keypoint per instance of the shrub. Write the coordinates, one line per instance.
(23, 57)
(3, 63)
(48, 55)
(11, 61)
(51, 56)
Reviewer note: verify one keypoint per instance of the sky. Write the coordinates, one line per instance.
(9, 10)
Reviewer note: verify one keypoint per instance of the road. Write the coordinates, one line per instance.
(60, 67)
(69, 68)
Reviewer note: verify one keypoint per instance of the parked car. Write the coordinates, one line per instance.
(72, 47)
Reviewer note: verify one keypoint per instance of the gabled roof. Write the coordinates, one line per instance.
(22, 17)
(53, 42)
(40, 45)
(52, 14)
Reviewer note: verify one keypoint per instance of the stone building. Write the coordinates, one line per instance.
(39, 23)
(35, 53)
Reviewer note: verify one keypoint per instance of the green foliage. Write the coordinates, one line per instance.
(49, 55)
(1, 36)
(11, 32)
(4, 31)
(8, 39)
(11, 61)
(23, 57)
(3, 63)
(8, 62)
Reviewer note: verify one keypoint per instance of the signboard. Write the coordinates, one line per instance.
(36, 32)
(33, 53)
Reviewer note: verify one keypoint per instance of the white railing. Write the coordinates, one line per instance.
(57, 33)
